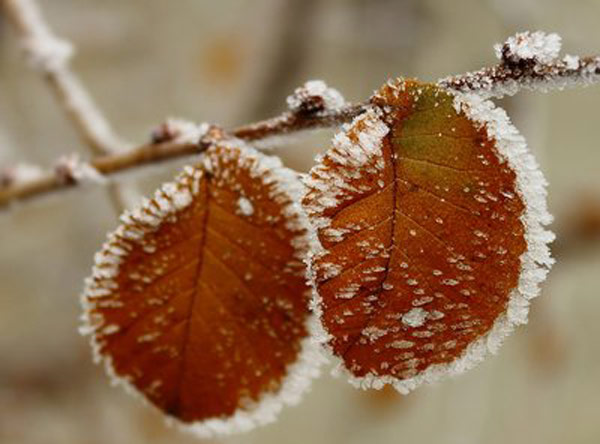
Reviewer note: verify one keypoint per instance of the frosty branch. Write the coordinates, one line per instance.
(168, 143)
(50, 55)
(527, 61)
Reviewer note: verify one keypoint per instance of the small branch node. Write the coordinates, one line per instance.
(47, 54)
(70, 170)
(21, 173)
(529, 47)
(179, 131)
(314, 97)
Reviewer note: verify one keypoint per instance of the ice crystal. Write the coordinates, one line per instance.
(315, 95)
(245, 207)
(18, 174)
(70, 168)
(530, 45)
(180, 131)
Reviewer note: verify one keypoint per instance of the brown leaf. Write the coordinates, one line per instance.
(198, 301)
(429, 210)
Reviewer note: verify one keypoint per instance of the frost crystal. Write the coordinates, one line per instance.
(572, 62)
(180, 131)
(70, 169)
(530, 45)
(530, 60)
(245, 206)
(314, 96)
(374, 333)
(415, 317)
(18, 174)
(352, 155)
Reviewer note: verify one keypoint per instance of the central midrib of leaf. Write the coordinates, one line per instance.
(204, 200)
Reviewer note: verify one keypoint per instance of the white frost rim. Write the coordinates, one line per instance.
(535, 261)
(172, 198)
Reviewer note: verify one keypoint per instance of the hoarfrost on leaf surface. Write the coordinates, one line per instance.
(200, 311)
(245, 206)
(426, 221)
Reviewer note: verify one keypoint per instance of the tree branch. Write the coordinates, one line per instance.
(527, 61)
(506, 80)
(172, 147)
(50, 55)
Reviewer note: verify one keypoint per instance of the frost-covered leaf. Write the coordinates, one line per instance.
(430, 214)
(198, 300)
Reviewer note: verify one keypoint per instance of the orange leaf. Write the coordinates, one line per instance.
(198, 301)
(430, 213)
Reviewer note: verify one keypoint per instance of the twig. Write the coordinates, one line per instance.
(292, 122)
(528, 61)
(50, 55)
(506, 80)
(154, 153)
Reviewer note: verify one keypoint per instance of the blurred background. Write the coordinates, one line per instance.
(235, 61)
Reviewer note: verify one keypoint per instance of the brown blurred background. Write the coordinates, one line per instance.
(235, 61)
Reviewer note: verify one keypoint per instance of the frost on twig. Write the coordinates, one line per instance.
(529, 60)
(529, 47)
(315, 96)
(179, 131)
(21, 173)
(50, 55)
(71, 170)
(44, 50)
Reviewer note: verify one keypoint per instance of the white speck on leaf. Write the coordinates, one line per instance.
(245, 207)
(415, 317)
